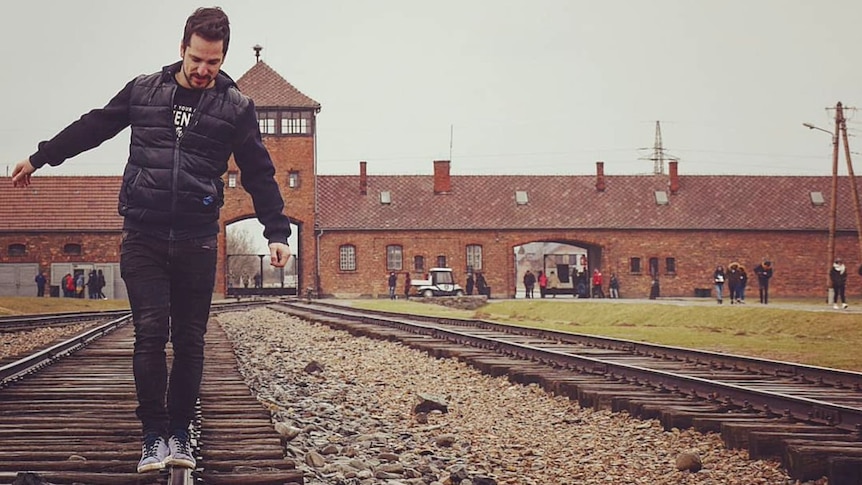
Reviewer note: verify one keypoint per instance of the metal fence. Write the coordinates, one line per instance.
(251, 274)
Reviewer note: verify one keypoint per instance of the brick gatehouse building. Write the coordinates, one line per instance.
(353, 230)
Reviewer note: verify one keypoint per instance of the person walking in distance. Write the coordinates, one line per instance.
(482, 285)
(614, 286)
(186, 120)
(597, 284)
(529, 284)
(764, 272)
(718, 278)
(40, 284)
(543, 283)
(102, 284)
(393, 282)
(838, 278)
(733, 278)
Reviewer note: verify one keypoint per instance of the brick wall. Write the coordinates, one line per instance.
(799, 259)
(47, 248)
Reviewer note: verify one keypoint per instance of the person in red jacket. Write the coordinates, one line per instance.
(543, 283)
(597, 284)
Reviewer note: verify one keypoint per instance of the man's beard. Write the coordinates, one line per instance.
(194, 76)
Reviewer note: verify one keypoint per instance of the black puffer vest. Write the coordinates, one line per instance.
(172, 187)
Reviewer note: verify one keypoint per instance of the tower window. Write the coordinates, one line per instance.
(285, 123)
(267, 121)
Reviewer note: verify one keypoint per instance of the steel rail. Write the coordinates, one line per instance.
(15, 370)
(26, 365)
(730, 395)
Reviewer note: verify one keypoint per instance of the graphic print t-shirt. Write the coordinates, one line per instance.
(185, 101)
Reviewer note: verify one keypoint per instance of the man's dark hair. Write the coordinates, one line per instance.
(211, 23)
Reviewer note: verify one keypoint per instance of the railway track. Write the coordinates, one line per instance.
(809, 417)
(69, 418)
(16, 323)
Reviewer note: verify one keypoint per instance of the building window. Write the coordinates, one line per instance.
(266, 120)
(670, 265)
(295, 122)
(635, 265)
(293, 180)
(419, 263)
(474, 258)
(347, 258)
(231, 179)
(72, 249)
(285, 123)
(394, 261)
(653, 267)
(16, 250)
(441, 261)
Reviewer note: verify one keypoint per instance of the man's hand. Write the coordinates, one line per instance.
(21, 173)
(278, 254)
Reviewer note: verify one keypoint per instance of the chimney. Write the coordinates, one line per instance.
(674, 176)
(442, 182)
(600, 176)
(363, 179)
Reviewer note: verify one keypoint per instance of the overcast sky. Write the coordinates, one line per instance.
(516, 87)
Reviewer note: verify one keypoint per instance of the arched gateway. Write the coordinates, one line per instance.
(287, 120)
(571, 262)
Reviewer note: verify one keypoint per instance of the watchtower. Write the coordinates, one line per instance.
(287, 120)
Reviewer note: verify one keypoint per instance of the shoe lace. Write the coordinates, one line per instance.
(151, 444)
(181, 441)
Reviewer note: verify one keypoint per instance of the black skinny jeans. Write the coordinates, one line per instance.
(170, 285)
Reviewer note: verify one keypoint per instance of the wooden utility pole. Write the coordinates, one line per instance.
(854, 191)
(841, 130)
(833, 201)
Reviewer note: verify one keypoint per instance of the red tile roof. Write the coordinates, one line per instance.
(268, 89)
(52, 204)
(752, 203)
(758, 203)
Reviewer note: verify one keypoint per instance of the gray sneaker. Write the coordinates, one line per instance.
(180, 450)
(154, 451)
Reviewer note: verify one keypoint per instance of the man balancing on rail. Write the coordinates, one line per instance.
(186, 121)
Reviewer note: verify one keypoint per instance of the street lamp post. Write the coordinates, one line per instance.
(833, 203)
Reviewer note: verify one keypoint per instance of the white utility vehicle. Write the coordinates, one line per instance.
(439, 282)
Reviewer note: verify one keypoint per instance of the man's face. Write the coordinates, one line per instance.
(202, 60)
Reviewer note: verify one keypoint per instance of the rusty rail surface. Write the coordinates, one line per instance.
(809, 417)
(74, 421)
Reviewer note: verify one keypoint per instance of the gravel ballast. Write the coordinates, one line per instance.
(348, 408)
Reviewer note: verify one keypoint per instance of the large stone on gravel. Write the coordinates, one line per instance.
(314, 367)
(428, 403)
(688, 461)
(314, 459)
(287, 431)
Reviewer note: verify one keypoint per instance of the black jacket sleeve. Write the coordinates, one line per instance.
(258, 178)
(87, 132)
